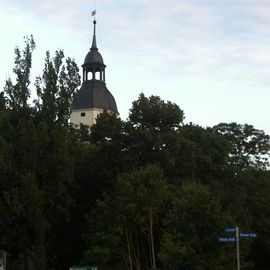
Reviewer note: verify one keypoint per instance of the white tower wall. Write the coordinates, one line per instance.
(85, 116)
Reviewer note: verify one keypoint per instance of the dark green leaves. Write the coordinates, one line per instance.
(19, 93)
(154, 113)
(250, 147)
(191, 227)
(56, 88)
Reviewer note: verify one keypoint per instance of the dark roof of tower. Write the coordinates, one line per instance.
(93, 56)
(94, 94)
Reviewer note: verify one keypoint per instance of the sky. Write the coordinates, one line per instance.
(210, 57)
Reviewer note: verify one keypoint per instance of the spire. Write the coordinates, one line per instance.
(94, 42)
(93, 57)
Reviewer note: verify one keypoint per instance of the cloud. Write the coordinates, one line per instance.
(60, 13)
(196, 36)
(209, 49)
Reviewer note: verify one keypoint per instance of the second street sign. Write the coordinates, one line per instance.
(248, 234)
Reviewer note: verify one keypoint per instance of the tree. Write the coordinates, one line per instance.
(21, 209)
(56, 88)
(257, 203)
(2, 102)
(19, 93)
(132, 208)
(211, 151)
(250, 147)
(155, 114)
(192, 225)
(153, 137)
(36, 160)
(109, 135)
(55, 175)
(21, 199)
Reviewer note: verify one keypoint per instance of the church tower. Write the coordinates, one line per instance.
(93, 97)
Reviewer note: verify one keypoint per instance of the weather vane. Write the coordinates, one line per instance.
(94, 12)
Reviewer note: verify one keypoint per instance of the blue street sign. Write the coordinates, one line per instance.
(230, 229)
(226, 239)
(248, 234)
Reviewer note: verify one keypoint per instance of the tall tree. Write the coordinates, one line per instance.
(19, 93)
(192, 225)
(211, 151)
(128, 240)
(155, 114)
(22, 222)
(21, 199)
(154, 137)
(37, 159)
(250, 147)
(109, 135)
(55, 174)
(256, 202)
(56, 88)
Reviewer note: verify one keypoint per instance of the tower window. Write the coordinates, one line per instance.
(82, 114)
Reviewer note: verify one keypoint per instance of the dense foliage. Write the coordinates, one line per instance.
(147, 193)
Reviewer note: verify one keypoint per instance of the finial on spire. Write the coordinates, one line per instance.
(94, 42)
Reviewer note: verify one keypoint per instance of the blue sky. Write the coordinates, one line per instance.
(211, 57)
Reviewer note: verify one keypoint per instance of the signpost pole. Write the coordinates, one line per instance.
(236, 239)
(237, 247)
